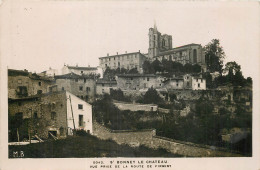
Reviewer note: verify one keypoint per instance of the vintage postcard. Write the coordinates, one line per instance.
(129, 85)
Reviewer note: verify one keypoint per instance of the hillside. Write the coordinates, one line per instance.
(85, 146)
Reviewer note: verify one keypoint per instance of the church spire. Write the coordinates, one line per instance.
(155, 27)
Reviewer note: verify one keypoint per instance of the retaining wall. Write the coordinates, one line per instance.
(148, 138)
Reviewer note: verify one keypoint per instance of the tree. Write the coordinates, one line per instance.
(157, 65)
(151, 96)
(203, 107)
(196, 68)
(234, 74)
(147, 68)
(214, 55)
(133, 71)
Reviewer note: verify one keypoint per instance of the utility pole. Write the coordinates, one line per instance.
(72, 115)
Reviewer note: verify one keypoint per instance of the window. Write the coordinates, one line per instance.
(103, 85)
(196, 80)
(147, 78)
(35, 115)
(80, 106)
(188, 84)
(85, 80)
(88, 89)
(62, 88)
(131, 78)
(177, 84)
(114, 58)
(39, 91)
(40, 83)
(76, 80)
(109, 59)
(201, 80)
(80, 88)
(80, 120)
(198, 84)
(103, 91)
(81, 72)
(53, 115)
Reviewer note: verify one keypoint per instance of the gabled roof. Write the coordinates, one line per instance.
(72, 76)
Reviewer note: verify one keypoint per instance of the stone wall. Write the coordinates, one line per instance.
(47, 113)
(136, 106)
(148, 138)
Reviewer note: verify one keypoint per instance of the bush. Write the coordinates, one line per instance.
(81, 132)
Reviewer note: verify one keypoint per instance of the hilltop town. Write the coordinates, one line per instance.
(182, 99)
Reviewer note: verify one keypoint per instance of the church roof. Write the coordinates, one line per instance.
(172, 51)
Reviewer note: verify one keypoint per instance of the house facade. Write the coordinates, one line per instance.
(127, 61)
(104, 86)
(48, 114)
(174, 83)
(138, 81)
(22, 83)
(82, 86)
(198, 83)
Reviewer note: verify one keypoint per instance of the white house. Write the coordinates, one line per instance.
(81, 111)
(198, 83)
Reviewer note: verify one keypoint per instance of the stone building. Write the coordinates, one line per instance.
(127, 61)
(160, 47)
(104, 86)
(22, 83)
(187, 81)
(198, 83)
(174, 83)
(138, 81)
(80, 70)
(83, 86)
(49, 114)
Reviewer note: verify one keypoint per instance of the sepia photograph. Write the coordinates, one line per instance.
(130, 85)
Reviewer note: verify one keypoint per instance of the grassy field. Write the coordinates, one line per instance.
(85, 147)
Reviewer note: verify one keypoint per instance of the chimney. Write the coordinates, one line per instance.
(116, 53)
(77, 65)
(126, 52)
(139, 51)
(107, 54)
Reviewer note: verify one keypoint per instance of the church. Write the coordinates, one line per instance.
(160, 47)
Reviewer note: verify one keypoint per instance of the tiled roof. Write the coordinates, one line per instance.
(121, 55)
(136, 75)
(82, 68)
(176, 49)
(71, 76)
(104, 81)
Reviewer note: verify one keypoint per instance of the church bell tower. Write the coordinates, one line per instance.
(154, 42)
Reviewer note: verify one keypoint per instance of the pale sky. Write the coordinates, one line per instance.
(50, 33)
